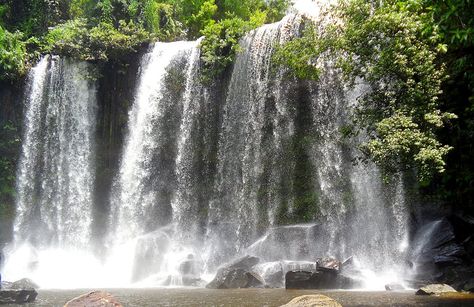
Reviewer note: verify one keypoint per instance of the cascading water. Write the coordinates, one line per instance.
(152, 188)
(146, 172)
(55, 176)
(205, 174)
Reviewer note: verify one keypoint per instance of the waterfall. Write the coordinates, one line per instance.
(252, 164)
(146, 176)
(248, 150)
(56, 170)
(153, 185)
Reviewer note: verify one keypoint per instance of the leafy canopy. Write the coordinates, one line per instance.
(395, 48)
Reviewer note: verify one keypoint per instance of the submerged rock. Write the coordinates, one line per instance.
(312, 300)
(435, 289)
(94, 299)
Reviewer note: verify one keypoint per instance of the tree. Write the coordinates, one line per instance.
(394, 47)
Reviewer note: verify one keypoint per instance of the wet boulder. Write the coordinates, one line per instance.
(18, 292)
(94, 299)
(435, 289)
(230, 278)
(17, 296)
(443, 251)
(469, 285)
(274, 272)
(237, 274)
(312, 300)
(318, 280)
(438, 245)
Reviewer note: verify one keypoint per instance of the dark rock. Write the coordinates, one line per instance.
(318, 280)
(231, 278)
(394, 287)
(441, 248)
(17, 296)
(18, 292)
(312, 300)
(237, 274)
(274, 272)
(94, 299)
(435, 289)
(469, 286)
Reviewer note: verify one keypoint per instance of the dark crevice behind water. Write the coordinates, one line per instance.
(208, 172)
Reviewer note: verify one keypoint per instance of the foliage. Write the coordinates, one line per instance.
(300, 55)
(106, 29)
(221, 44)
(454, 21)
(13, 54)
(73, 38)
(395, 49)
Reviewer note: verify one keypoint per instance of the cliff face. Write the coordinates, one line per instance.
(115, 93)
(11, 114)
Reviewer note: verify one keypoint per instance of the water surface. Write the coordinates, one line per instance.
(250, 297)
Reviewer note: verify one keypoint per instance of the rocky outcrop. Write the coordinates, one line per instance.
(312, 300)
(435, 289)
(15, 296)
(330, 273)
(318, 280)
(234, 279)
(237, 274)
(94, 299)
(273, 273)
(447, 253)
(18, 292)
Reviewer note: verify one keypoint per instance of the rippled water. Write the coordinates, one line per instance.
(251, 297)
